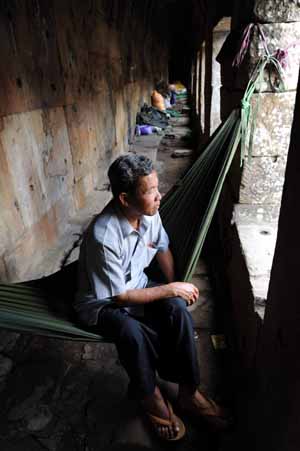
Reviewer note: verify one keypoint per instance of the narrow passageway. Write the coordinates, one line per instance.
(75, 77)
(91, 390)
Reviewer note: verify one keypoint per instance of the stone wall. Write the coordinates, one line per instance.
(73, 76)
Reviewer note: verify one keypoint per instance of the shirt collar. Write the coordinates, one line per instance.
(125, 225)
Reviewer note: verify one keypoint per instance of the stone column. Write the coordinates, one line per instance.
(208, 102)
(261, 181)
(219, 34)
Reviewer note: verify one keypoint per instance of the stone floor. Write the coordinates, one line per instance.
(65, 396)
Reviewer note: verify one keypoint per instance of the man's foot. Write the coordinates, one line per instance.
(160, 413)
(199, 405)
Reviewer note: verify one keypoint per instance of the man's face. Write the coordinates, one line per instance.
(146, 199)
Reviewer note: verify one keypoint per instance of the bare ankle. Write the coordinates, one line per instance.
(154, 396)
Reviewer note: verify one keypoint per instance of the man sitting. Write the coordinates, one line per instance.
(148, 322)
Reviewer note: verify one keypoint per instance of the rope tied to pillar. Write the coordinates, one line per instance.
(280, 54)
(274, 63)
(248, 113)
(245, 43)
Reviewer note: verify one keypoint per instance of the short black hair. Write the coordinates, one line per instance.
(125, 171)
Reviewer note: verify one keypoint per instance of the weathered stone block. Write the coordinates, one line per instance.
(273, 123)
(277, 11)
(39, 161)
(265, 11)
(262, 180)
(278, 36)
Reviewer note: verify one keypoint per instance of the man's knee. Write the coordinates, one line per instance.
(177, 305)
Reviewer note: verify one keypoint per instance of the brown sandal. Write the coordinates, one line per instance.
(158, 421)
(214, 415)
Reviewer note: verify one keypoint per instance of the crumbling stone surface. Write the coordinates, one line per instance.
(262, 180)
(273, 115)
(265, 11)
(273, 123)
(277, 10)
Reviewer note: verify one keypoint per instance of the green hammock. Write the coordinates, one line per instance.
(187, 211)
(27, 309)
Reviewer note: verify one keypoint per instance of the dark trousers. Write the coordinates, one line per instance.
(162, 341)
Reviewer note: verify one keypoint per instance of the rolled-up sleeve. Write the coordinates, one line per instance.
(106, 272)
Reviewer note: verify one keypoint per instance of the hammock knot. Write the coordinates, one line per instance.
(245, 105)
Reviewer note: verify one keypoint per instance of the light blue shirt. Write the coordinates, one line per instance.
(113, 256)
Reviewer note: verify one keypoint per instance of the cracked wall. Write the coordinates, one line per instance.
(73, 76)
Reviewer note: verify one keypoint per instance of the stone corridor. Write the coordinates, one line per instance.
(80, 402)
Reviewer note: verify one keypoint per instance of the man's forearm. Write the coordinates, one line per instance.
(144, 295)
(185, 290)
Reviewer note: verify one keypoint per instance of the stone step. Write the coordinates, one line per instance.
(257, 231)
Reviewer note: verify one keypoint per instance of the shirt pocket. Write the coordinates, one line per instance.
(141, 259)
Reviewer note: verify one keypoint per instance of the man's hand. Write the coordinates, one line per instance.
(185, 290)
